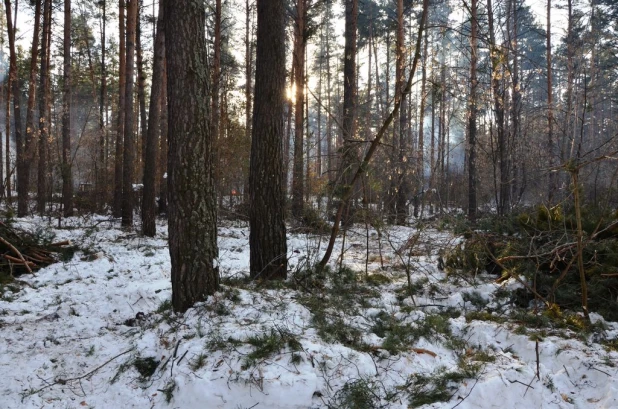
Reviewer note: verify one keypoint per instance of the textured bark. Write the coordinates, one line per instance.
(67, 176)
(154, 123)
(163, 146)
(299, 111)
(192, 199)
(267, 238)
(44, 103)
(129, 147)
(15, 91)
(122, 78)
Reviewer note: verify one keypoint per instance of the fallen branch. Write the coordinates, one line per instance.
(61, 381)
(9, 245)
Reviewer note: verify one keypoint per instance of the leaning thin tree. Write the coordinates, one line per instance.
(375, 143)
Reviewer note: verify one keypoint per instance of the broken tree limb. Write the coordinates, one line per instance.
(17, 252)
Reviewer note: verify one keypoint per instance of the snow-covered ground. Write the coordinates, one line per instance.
(98, 332)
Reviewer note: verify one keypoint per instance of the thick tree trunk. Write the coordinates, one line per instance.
(67, 173)
(267, 238)
(122, 79)
(128, 166)
(192, 206)
(154, 124)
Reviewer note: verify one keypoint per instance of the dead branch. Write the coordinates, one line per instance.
(21, 258)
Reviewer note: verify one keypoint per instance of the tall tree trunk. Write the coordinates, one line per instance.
(215, 97)
(299, 111)
(349, 155)
(329, 120)
(319, 111)
(15, 90)
(141, 89)
(402, 172)
(508, 176)
(26, 151)
(44, 102)
(2, 191)
(419, 200)
(248, 69)
(163, 145)
(192, 207)
(248, 79)
(154, 124)
(472, 114)
(102, 170)
(67, 172)
(570, 129)
(128, 171)
(7, 185)
(551, 191)
(498, 96)
(267, 237)
(122, 80)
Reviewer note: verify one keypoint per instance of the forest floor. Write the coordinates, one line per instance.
(383, 328)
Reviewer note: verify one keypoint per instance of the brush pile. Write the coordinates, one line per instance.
(24, 252)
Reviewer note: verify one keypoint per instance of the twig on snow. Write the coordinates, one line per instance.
(60, 381)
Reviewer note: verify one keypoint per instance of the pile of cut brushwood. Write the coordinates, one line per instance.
(24, 252)
(539, 248)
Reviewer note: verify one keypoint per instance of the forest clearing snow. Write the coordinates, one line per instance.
(98, 332)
